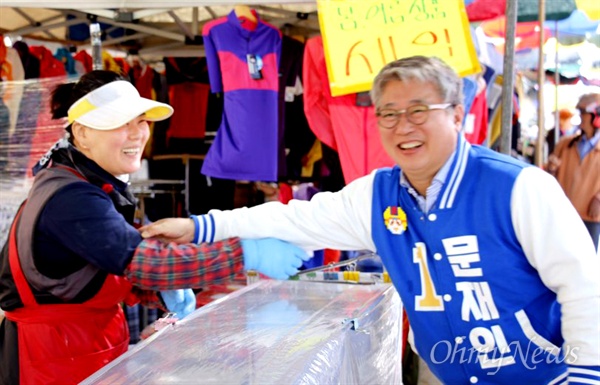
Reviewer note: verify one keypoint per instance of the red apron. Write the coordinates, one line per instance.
(65, 343)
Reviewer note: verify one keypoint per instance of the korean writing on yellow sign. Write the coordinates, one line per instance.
(361, 36)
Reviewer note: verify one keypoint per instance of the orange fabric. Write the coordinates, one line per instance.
(5, 66)
(527, 34)
(123, 64)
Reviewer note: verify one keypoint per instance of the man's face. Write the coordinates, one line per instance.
(420, 150)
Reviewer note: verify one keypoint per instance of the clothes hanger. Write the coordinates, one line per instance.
(242, 10)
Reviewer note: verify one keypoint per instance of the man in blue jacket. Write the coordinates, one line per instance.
(497, 273)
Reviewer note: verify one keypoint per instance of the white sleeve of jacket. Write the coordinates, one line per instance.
(558, 245)
(340, 220)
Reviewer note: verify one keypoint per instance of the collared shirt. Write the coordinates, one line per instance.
(585, 145)
(425, 203)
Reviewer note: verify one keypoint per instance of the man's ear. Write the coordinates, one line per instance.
(459, 114)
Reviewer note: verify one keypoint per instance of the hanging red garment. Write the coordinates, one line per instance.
(188, 96)
(340, 122)
(86, 59)
(123, 64)
(476, 132)
(481, 10)
(49, 65)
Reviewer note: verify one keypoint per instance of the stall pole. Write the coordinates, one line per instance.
(508, 76)
(539, 147)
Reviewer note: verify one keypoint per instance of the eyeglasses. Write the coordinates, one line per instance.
(388, 118)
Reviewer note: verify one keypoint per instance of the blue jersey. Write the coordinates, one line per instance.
(246, 144)
(452, 275)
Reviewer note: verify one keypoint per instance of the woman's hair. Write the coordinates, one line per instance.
(422, 69)
(64, 95)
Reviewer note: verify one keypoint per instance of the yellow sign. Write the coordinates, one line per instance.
(590, 7)
(361, 36)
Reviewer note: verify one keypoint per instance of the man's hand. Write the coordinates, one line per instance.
(179, 230)
(273, 257)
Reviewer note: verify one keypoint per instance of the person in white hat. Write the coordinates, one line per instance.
(73, 255)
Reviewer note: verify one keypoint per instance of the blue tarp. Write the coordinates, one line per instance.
(578, 23)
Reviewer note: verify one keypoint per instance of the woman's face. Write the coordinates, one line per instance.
(117, 151)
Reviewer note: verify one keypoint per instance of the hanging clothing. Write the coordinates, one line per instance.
(476, 125)
(188, 94)
(86, 61)
(295, 136)
(49, 65)
(64, 56)
(31, 64)
(339, 122)
(142, 77)
(246, 144)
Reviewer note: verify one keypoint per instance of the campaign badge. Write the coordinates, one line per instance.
(395, 220)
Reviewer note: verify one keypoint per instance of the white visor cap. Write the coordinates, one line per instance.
(115, 104)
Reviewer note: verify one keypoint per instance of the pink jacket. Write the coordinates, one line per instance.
(338, 122)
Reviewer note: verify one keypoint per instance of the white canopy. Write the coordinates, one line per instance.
(155, 28)
(139, 4)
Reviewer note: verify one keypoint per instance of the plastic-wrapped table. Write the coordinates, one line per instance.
(274, 332)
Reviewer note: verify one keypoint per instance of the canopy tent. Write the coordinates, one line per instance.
(151, 28)
(172, 28)
(165, 27)
(578, 24)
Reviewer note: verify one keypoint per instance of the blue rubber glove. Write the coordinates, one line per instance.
(273, 257)
(182, 301)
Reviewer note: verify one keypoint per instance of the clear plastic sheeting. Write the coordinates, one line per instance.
(275, 332)
(26, 133)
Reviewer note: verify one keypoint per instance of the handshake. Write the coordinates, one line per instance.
(269, 256)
